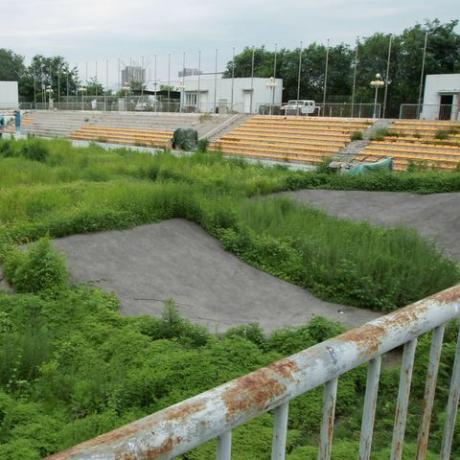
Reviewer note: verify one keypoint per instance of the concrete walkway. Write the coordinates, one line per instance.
(435, 217)
(177, 259)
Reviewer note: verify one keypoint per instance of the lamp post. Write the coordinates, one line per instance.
(82, 90)
(49, 90)
(181, 88)
(126, 88)
(376, 84)
(271, 84)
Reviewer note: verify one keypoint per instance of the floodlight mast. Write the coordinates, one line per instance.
(377, 84)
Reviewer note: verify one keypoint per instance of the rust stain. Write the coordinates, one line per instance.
(151, 454)
(367, 337)
(252, 392)
(178, 414)
(285, 368)
(449, 295)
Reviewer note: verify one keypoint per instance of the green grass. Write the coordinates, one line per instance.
(71, 367)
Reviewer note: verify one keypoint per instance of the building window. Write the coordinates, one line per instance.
(191, 99)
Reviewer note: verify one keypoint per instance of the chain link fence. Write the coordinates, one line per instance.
(222, 106)
(430, 111)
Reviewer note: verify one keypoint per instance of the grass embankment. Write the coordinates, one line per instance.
(71, 367)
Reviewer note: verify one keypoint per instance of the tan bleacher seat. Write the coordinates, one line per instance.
(130, 136)
(290, 138)
(415, 142)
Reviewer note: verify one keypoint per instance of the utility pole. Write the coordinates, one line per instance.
(298, 76)
(198, 96)
(355, 67)
(215, 83)
(252, 79)
(325, 78)
(422, 73)
(387, 77)
(274, 78)
(233, 78)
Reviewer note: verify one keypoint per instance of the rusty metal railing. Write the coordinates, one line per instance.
(213, 414)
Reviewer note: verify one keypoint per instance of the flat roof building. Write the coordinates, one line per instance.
(441, 100)
(9, 96)
(213, 93)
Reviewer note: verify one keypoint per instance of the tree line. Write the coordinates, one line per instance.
(346, 62)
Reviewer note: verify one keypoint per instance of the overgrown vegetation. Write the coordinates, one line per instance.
(356, 136)
(71, 367)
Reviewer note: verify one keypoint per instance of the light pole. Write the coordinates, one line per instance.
(271, 84)
(126, 89)
(376, 84)
(83, 90)
(181, 88)
(49, 90)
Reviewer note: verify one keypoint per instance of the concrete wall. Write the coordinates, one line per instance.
(435, 87)
(9, 98)
(220, 90)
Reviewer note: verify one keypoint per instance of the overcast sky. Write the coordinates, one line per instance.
(86, 31)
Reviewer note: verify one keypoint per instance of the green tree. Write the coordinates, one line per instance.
(45, 72)
(12, 66)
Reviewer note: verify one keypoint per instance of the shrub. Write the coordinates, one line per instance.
(380, 134)
(185, 139)
(203, 145)
(441, 134)
(34, 149)
(6, 148)
(39, 268)
(356, 136)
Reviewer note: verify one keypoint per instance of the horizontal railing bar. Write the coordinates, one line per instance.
(188, 424)
(405, 381)
(452, 406)
(224, 446)
(327, 424)
(370, 404)
(280, 432)
(430, 389)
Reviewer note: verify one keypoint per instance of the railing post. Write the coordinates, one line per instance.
(370, 404)
(452, 406)
(430, 388)
(280, 432)
(224, 446)
(405, 380)
(327, 425)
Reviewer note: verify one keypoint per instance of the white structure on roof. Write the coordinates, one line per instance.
(213, 93)
(9, 98)
(441, 100)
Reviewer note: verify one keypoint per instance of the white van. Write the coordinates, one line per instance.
(300, 107)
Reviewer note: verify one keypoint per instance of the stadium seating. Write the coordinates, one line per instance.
(418, 142)
(130, 136)
(289, 138)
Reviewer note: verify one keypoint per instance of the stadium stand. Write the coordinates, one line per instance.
(129, 136)
(64, 124)
(293, 138)
(433, 144)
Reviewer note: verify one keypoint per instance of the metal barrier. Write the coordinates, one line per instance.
(430, 112)
(213, 414)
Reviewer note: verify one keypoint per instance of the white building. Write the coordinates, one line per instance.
(9, 98)
(213, 93)
(441, 100)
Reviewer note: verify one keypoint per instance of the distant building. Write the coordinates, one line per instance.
(187, 72)
(441, 100)
(209, 93)
(9, 98)
(131, 74)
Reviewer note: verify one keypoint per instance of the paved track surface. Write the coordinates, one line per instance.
(435, 217)
(177, 259)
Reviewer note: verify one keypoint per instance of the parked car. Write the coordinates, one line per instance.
(300, 107)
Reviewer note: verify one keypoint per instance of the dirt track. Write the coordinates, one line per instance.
(177, 259)
(435, 217)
